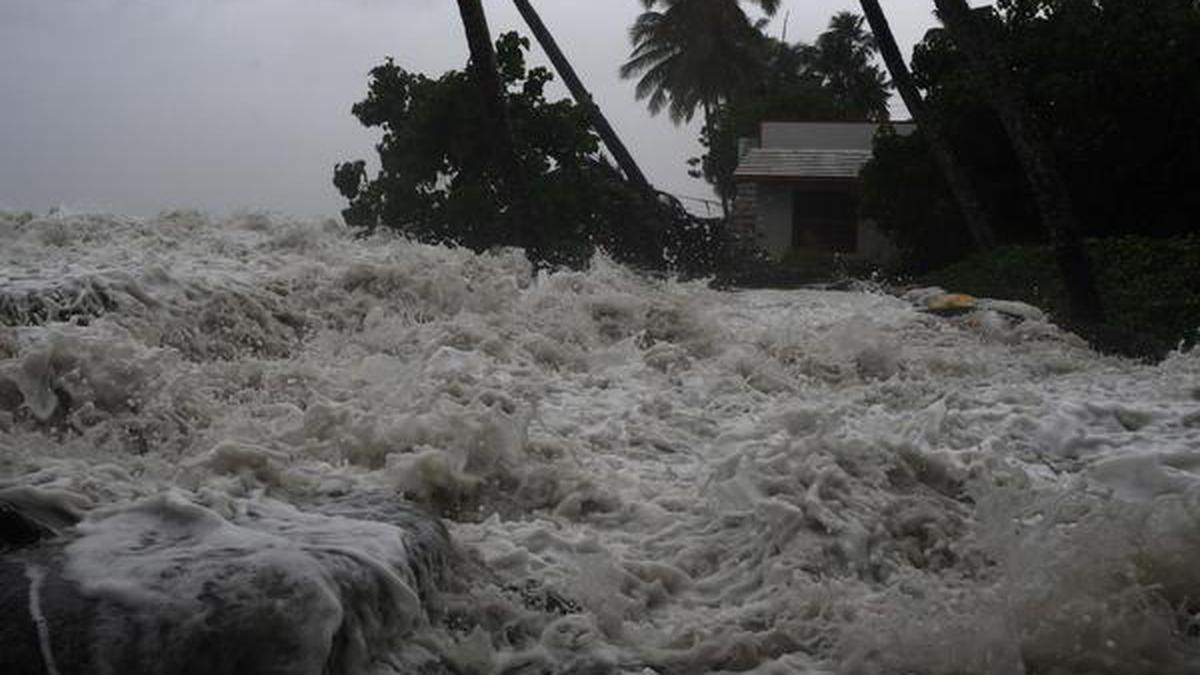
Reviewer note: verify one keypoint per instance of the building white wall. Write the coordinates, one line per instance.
(773, 201)
(824, 135)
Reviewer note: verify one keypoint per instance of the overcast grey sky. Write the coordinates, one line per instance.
(134, 106)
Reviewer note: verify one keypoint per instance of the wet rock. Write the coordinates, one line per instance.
(169, 586)
(29, 516)
(17, 530)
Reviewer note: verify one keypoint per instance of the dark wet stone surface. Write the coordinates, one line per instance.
(266, 621)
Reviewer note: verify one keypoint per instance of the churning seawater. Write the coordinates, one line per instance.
(247, 435)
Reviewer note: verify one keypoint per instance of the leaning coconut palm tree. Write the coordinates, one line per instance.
(955, 173)
(691, 54)
(633, 173)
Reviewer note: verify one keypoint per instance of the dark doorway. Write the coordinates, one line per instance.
(825, 218)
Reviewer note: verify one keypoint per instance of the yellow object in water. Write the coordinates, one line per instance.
(950, 303)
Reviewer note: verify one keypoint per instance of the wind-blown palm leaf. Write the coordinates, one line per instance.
(769, 7)
(844, 55)
(691, 54)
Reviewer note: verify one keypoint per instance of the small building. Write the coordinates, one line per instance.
(797, 187)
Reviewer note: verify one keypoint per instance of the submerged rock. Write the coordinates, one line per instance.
(29, 516)
(168, 585)
(18, 530)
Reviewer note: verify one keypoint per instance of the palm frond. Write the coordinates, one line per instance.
(692, 53)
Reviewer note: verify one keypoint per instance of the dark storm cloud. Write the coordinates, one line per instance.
(139, 105)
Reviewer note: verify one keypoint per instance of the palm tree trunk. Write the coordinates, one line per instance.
(1035, 155)
(582, 97)
(930, 123)
(486, 74)
(726, 207)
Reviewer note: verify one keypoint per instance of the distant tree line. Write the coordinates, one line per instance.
(1039, 121)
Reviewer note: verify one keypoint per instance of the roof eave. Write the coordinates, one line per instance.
(797, 179)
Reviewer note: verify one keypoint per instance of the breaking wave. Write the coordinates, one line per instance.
(380, 456)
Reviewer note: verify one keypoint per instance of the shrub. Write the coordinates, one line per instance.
(1151, 286)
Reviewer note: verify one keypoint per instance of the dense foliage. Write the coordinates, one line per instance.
(437, 181)
(1113, 84)
(1148, 285)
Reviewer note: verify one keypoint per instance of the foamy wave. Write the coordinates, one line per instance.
(636, 475)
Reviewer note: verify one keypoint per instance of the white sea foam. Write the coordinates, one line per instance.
(643, 476)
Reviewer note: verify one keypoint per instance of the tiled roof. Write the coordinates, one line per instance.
(791, 163)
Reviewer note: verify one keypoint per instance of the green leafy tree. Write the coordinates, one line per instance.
(438, 181)
(986, 50)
